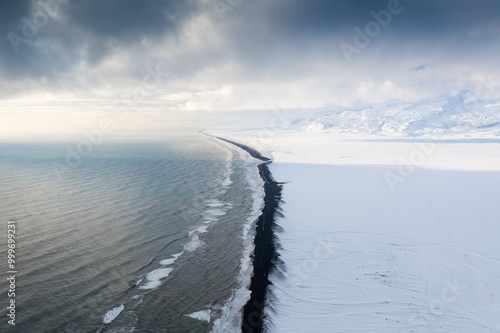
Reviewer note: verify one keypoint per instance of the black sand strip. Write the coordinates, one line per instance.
(265, 255)
(252, 152)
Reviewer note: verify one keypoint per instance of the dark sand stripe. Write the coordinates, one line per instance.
(252, 152)
(265, 256)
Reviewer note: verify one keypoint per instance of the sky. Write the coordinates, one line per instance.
(67, 64)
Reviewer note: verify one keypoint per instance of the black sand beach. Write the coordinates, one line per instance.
(252, 152)
(265, 256)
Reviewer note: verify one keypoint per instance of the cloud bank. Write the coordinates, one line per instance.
(241, 54)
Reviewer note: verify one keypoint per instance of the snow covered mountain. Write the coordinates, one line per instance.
(462, 115)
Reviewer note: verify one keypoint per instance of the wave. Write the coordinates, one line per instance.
(232, 310)
(215, 209)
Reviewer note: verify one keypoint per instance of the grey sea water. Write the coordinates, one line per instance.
(142, 237)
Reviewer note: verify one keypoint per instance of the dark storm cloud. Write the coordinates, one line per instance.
(63, 26)
(424, 20)
(286, 38)
(130, 19)
(10, 16)
(429, 17)
(290, 36)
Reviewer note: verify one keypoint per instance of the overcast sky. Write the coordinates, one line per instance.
(65, 61)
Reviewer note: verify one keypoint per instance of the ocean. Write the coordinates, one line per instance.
(142, 237)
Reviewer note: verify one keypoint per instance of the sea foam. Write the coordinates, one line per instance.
(230, 320)
(201, 315)
(154, 278)
(112, 314)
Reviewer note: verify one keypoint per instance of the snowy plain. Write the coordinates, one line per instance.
(384, 233)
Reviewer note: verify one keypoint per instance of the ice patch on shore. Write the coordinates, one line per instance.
(112, 314)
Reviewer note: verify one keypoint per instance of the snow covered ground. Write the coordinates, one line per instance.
(360, 258)
(384, 234)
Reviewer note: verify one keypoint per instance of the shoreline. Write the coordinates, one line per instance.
(265, 256)
(254, 153)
